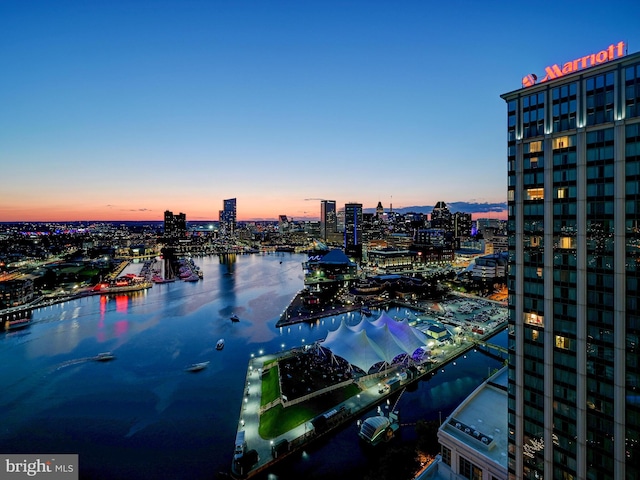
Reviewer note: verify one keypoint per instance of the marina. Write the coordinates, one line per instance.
(120, 416)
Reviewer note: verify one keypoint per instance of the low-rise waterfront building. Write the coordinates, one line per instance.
(473, 439)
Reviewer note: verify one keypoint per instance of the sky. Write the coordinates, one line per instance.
(120, 110)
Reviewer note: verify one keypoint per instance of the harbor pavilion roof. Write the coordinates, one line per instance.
(370, 342)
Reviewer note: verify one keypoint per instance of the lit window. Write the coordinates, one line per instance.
(535, 146)
(534, 194)
(534, 319)
(567, 242)
(562, 342)
(560, 142)
(562, 192)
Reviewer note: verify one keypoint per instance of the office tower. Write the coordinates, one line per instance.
(169, 223)
(441, 217)
(462, 224)
(379, 211)
(353, 229)
(181, 223)
(574, 248)
(328, 218)
(228, 216)
(174, 225)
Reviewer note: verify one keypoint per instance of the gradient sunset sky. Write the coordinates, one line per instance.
(120, 110)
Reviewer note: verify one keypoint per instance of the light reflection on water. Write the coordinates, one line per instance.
(124, 415)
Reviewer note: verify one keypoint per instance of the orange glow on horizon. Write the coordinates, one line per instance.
(261, 211)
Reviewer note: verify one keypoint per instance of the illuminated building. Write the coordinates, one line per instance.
(574, 267)
(441, 217)
(174, 225)
(353, 229)
(228, 216)
(328, 219)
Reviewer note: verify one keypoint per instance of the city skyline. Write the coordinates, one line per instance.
(120, 111)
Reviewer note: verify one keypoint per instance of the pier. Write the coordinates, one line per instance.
(265, 453)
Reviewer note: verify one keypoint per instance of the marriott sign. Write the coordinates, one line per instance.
(552, 72)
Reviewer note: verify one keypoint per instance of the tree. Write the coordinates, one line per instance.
(396, 463)
(427, 432)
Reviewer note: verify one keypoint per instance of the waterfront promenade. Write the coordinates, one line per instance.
(300, 437)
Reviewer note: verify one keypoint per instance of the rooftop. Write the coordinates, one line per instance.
(481, 420)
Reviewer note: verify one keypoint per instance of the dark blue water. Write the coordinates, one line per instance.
(141, 415)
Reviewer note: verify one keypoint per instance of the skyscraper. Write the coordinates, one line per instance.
(174, 225)
(441, 217)
(574, 270)
(353, 229)
(228, 216)
(328, 218)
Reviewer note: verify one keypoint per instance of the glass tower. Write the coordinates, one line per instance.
(328, 218)
(573, 156)
(353, 228)
(228, 216)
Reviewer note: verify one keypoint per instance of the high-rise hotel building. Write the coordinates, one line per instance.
(574, 270)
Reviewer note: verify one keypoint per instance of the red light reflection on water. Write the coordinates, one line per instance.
(122, 326)
(122, 302)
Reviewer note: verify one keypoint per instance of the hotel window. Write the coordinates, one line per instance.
(566, 242)
(562, 192)
(564, 107)
(599, 98)
(562, 342)
(564, 142)
(533, 115)
(533, 319)
(533, 147)
(533, 162)
(632, 91)
(534, 194)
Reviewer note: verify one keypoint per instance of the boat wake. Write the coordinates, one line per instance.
(75, 361)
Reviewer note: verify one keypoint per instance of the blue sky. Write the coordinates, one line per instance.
(120, 110)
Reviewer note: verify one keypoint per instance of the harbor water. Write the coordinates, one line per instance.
(141, 415)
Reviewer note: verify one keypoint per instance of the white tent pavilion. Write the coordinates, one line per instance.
(370, 342)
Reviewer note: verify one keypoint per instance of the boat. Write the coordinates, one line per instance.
(220, 344)
(196, 367)
(17, 323)
(365, 311)
(235, 318)
(104, 357)
(121, 285)
(379, 428)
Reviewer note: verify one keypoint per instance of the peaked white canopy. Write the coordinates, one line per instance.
(371, 342)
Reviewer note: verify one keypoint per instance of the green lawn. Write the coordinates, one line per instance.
(270, 386)
(278, 420)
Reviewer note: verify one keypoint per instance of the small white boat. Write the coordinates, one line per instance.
(220, 344)
(196, 367)
(235, 318)
(104, 357)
